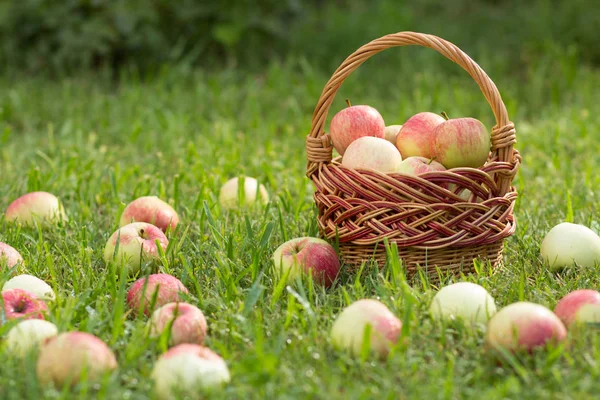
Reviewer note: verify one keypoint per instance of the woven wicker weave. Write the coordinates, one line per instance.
(424, 215)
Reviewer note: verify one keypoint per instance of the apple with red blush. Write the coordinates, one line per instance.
(9, 256)
(373, 153)
(419, 165)
(154, 291)
(355, 122)
(152, 210)
(36, 207)
(186, 321)
(415, 139)
(461, 142)
(19, 303)
(579, 307)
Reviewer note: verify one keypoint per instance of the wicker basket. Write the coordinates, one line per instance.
(431, 224)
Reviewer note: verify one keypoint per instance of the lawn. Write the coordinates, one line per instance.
(180, 134)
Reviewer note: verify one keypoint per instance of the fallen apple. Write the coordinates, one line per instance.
(161, 288)
(581, 307)
(307, 255)
(9, 256)
(415, 139)
(463, 300)
(152, 210)
(419, 165)
(568, 244)
(41, 207)
(349, 329)
(68, 357)
(186, 369)
(355, 122)
(187, 323)
(21, 304)
(28, 335)
(231, 197)
(370, 152)
(461, 142)
(31, 284)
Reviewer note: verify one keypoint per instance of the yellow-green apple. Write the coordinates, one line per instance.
(153, 291)
(31, 284)
(370, 152)
(581, 307)
(567, 244)
(349, 329)
(187, 323)
(307, 255)
(68, 357)
(416, 136)
(152, 210)
(22, 304)
(231, 196)
(28, 335)
(41, 207)
(419, 165)
(137, 243)
(391, 133)
(185, 369)
(463, 300)
(461, 142)
(355, 122)
(524, 326)
(9, 256)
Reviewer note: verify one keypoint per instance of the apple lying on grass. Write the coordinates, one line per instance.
(463, 300)
(31, 284)
(137, 242)
(187, 323)
(355, 122)
(350, 328)
(41, 207)
(567, 244)
(579, 307)
(416, 136)
(28, 335)
(390, 133)
(9, 256)
(419, 165)
(461, 142)
(372, 153)
(185, 369)
(160, 288)
(21, 304)
(66, 358)
(152, 210)
(231, 197)
(524, 326)
(307, 255)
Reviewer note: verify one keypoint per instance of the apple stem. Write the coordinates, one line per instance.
(443, 113)
(348, 102)
(430, 161)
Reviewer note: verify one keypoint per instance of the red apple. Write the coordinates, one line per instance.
(372, 153)
(41, 207)
(22, 304)
(152, 210)
(416, 136)
(419, 165)
(461, 142)
(64, 358)
(524, 326)
(188, 323)
(164, 287)
(308, 255)
(354, 122)
(580, 306)
(348, 330)
(9, 256)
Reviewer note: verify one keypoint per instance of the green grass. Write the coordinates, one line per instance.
(181, 134)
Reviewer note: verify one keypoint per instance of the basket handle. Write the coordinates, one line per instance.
(318, 144)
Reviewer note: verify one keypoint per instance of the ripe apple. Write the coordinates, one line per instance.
(419, 165)
(137, 243)
(64, 358)
(391, 133)
(348, 330)
(152, 210)
(188, 323)
(581, 306)
(416, 136)
(31, 284)
(22, 304)
(161, 288)
(355, 122)
(465, 300)
(228, 196)
(567, 244)
(41, 207)
(186, 368)
(524, 326)
(9, 256)
(370, 152)
(28, 335)
(307, 255)
(461, 142)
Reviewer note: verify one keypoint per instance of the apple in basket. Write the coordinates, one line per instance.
(391, 133)
(419, 165)
(370, 152)
(354, 122)
(461, 142)
(416, 136)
